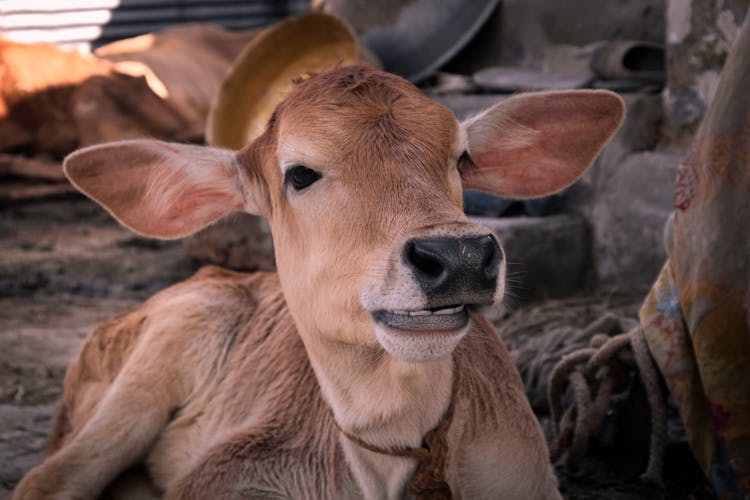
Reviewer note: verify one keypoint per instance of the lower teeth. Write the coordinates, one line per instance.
(426, 312)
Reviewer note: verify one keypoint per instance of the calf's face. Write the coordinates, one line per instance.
(360, 176)
(372, 244)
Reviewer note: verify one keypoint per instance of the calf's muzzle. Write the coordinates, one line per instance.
(455, 269)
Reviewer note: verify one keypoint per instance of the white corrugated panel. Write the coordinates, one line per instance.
(95, 22)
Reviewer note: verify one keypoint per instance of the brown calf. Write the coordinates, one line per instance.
(307, 383)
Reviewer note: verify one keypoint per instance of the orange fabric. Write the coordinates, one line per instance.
(697, 316)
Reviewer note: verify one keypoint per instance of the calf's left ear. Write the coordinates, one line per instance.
(536, 144)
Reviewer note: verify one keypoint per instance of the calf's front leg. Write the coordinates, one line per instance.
(125, 423)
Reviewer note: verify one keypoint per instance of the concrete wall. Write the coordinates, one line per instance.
(699, 36)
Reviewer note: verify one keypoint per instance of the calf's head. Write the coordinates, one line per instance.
(360, 176)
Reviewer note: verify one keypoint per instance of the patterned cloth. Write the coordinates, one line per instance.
(696, 317)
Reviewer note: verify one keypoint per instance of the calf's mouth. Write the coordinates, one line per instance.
(433, 319)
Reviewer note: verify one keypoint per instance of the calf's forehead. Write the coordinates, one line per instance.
(357, 118)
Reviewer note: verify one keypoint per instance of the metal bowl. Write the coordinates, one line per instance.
(413, 38)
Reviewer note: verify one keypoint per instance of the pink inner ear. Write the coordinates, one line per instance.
(192, 208)
(524, 173)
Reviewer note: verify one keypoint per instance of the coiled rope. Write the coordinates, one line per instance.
(590, 373)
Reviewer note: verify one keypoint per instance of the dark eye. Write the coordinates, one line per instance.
(300, 177)
(465, 162)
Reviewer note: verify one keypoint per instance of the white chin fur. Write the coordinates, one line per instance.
(418, 347)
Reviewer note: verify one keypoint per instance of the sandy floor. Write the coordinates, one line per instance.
(65, 266)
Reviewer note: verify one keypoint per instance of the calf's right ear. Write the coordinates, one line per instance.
(160, 189)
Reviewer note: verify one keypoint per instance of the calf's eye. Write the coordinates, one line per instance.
(465, 162)
(299, 177)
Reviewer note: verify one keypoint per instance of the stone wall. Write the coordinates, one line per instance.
(520, 31)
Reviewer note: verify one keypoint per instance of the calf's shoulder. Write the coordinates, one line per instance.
(194, 320)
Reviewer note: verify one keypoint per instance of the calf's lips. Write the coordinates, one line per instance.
(422, 321)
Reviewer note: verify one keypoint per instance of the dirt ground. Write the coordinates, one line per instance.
(65, 265)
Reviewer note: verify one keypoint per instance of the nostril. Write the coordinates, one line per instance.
(492, 256)
(422, 260)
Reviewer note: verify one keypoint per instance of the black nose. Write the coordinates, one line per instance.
(455, 270)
